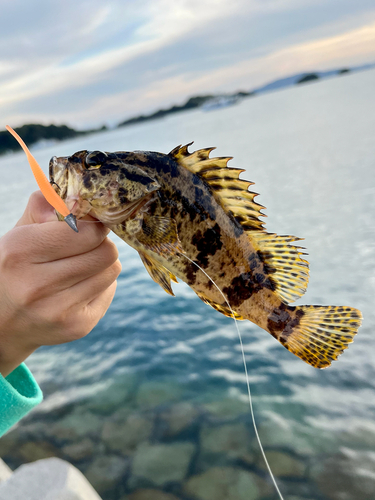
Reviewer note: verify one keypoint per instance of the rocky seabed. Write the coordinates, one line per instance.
(144, 443)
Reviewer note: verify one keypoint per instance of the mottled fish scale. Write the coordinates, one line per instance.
(185, 207)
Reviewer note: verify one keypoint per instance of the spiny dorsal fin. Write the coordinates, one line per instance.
(230, 191)
(288, 271)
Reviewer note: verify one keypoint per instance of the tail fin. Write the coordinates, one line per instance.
(321, 333)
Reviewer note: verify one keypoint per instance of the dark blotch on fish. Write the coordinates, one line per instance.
(123, 194)
(87, 182)
(282, 321)
(241, 288)
(207, 244)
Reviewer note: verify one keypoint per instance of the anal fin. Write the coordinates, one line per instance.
(220, 308)
(158, 273)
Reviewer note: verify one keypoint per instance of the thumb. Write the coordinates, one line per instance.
(38, 210)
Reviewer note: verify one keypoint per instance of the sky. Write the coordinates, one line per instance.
(86, 63)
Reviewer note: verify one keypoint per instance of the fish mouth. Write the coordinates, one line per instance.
(77, 207)
(66, 179)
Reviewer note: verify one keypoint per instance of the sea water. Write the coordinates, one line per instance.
(160, 379)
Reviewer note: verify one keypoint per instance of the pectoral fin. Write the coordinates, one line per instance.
(158, 273)
(159, 234)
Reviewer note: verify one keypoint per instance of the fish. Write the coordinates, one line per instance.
(191, 217)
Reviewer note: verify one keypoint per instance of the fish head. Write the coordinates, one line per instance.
(101, 184)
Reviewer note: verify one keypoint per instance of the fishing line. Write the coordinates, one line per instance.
(90, 221)
(247, 378)
(244, 364)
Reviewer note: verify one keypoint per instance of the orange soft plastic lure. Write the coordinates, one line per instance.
(47, 190)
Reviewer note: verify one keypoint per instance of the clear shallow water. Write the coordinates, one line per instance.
(311, 152)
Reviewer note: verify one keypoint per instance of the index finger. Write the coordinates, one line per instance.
(37, 210)
(55, 240)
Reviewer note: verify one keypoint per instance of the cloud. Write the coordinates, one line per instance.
(354, 47)
(83, 61)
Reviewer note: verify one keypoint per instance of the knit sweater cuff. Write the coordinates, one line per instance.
(19, 393)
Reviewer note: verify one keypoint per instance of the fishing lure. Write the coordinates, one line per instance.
(47, 190)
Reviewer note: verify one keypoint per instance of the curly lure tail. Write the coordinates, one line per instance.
(47, 190)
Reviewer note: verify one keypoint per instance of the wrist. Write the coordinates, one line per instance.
(11, 358)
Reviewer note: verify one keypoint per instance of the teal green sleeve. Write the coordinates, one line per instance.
(19, 393)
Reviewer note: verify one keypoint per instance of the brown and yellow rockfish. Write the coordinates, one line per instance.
(188, 204)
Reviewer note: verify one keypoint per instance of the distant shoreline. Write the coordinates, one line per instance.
(34, 133)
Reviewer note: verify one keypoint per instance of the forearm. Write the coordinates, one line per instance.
(16, 333)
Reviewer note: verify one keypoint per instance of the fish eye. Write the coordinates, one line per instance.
(95, 159)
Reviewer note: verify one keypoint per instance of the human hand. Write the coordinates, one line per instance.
(55, 284)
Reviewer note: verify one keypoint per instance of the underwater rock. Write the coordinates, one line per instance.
(359, 435)
(107, 401)
(299, 498)
(224, 483)
(278, 433)
(178, 418)
(282, 464)
(152, 394)
(226, 409)
(106, 470)
(76, 425)
(346, 475)
(151, 495)
(232, 439)
(126, 436)
(32, 430)
(9, 443)
(32, 451)
(80, 450)
(161, 463)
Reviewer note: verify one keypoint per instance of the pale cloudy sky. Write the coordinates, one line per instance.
(90, 62)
